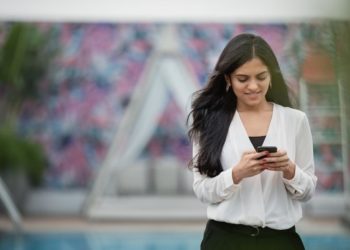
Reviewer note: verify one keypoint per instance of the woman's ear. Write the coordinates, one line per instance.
(228, 82)
(227, 79)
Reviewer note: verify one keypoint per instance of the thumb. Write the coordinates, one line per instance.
(249, 152)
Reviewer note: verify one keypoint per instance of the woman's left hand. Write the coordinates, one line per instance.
(280, 161)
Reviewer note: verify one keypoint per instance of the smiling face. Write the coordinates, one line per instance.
(250, 83)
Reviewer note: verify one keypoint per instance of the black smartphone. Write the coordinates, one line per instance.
(270, 149)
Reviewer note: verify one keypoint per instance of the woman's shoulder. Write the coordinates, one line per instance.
(292, 113)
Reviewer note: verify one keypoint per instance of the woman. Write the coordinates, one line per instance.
(254, 198)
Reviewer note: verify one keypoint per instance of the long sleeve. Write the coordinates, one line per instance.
(263, 199)
(213, 189)
(303, 185)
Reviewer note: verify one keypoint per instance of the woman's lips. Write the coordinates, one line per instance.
(253, 94)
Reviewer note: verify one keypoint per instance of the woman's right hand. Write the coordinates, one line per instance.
(248, 166)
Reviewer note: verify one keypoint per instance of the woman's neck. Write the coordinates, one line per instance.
(265, 106)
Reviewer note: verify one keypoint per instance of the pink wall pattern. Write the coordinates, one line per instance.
(85, 95)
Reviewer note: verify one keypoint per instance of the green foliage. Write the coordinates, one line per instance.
(25, 57)
(24, 60)
(18, 153)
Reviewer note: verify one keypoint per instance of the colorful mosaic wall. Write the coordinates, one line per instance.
(84, 97)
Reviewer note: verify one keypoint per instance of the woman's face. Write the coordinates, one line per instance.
(250, 83)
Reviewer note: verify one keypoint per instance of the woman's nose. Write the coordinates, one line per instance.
(253, 84)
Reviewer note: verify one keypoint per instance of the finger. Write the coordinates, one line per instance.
(278, 168)
(260, 155)
(282, 152)
(283, 168)
(283, 158)
(276, 164)
(279, 153)
(258, 169)
(249, 152)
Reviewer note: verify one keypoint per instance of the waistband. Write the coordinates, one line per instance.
(248, 230)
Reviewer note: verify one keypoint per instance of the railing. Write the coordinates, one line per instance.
(10, 206)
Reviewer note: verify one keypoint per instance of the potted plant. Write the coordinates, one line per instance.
(25, 56)
(22, 164)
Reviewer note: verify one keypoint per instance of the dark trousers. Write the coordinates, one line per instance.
(221, 235)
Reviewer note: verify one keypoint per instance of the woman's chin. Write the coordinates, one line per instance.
(254, 102)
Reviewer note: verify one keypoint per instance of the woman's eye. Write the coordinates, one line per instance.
(261, 78)
(242, 79)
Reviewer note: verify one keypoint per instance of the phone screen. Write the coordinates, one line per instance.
(270, 149)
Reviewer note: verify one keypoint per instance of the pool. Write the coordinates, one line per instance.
(138, 241)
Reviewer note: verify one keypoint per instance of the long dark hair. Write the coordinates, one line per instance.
(213, 107)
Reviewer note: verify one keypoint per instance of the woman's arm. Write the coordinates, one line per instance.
(223, 186)
(302, 186)
(212, 189)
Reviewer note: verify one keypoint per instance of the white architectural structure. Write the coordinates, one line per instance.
(165, 73)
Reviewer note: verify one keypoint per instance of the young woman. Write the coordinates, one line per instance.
(254, 198)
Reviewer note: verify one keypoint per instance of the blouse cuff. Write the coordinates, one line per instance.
(293, 184)
(228, 181)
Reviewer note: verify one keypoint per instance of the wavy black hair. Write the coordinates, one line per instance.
(213, 107)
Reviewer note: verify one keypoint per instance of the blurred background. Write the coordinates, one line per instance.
(94, 97)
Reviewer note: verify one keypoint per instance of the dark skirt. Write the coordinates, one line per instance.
(221, 235)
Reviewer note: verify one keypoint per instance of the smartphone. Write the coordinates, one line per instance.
(270, 149)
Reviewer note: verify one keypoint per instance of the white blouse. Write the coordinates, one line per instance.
(267, 199)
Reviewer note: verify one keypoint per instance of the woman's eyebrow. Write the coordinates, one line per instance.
(261, 73)
(243, 75)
